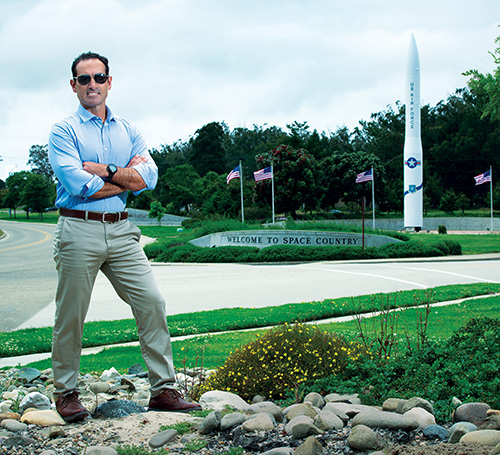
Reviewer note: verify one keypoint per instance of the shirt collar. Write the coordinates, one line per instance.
(85, 115)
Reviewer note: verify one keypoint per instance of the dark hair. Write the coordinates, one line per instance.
(89, 56)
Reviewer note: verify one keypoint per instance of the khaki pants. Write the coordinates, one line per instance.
(81, 249)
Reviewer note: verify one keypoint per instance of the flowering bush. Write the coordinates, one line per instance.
(281, 360)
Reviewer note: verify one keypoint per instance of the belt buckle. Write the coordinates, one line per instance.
(103, 219)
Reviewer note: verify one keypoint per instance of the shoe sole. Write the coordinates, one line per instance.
(183, 411)
(76, 417)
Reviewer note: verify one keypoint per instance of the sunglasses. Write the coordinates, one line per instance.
(84, 79)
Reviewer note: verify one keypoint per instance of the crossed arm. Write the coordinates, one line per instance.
(125, 179)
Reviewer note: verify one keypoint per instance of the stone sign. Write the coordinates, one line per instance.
(265, 238)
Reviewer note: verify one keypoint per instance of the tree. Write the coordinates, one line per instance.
(207, 150)
(39, 161)
(156, 211)
(295, 176)
(37, 193)
(15, 183)
(463, 202)
(180, 187)
(487, 87)
(448, 202)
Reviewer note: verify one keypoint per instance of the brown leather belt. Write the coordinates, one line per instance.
(105, 217)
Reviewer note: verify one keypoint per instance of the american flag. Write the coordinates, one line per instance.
(263, 174)
(234, 174)
(483, 178)
(364, 176)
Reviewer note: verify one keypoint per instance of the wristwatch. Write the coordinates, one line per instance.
(111, 168)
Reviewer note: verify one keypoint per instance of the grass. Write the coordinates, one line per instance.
(48, 217)
(471, 243)
(33, 340)
(215, 348)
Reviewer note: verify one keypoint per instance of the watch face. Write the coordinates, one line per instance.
(112, 168)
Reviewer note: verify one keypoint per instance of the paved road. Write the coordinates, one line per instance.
(27, 273)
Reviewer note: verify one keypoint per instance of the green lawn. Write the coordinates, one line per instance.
(471, 243)
(213, 349)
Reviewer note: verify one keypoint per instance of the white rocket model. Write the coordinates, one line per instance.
(412, 155)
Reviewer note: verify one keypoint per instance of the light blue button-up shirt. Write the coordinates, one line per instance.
(83, 137)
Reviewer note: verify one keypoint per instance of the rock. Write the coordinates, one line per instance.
(279, 451)
(327, 420)
(310, 446)
(48, 452)
(350, 409)
(56, 432)
(492, 422)
(304, 409)
(455, 402)
(261, 422)
(305, 429)
(100, 450)
(315, 399)
(47, 418)
(484, 437)
(468, 425)
(495, 450)
(34, 400)
(108, 375)
(127, 384)
(232, 420)
(417, 402)
(27, 375)
(11, 395)
(13, 425)
(218, 400)
(436, 432)
(258, 399)
(266, 407)
(333, 408)
(471, 412)
(364, 438)
(421, 416)
(295, 421)
(99, 387)
(387, 420)
(162, 438)
(211, 423)
(119, 408)
(393, 404)
(336, 398)
(22, 441)
(137, 370)
(458, 430)
(10, 415)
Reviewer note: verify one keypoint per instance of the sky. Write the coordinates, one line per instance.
(180, 64)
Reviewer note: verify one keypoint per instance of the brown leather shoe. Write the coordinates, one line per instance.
(70, 409)
(170, 400)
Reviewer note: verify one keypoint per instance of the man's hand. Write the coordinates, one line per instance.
(137, 159)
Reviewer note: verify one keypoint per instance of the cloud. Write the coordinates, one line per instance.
(179, 64)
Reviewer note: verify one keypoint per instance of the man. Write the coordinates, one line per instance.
(98, 158)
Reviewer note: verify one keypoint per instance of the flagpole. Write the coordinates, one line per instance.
(272, 187)
(373, 197)
(491, 197)
(241, 189)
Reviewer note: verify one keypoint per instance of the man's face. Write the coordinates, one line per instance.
(92, 95)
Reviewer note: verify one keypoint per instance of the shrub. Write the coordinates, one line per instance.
(442, 229)
(465, 366)
(408, 249)
(281, 360)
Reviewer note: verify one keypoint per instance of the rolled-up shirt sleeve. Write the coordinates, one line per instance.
(65, 160)
(148, 171)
